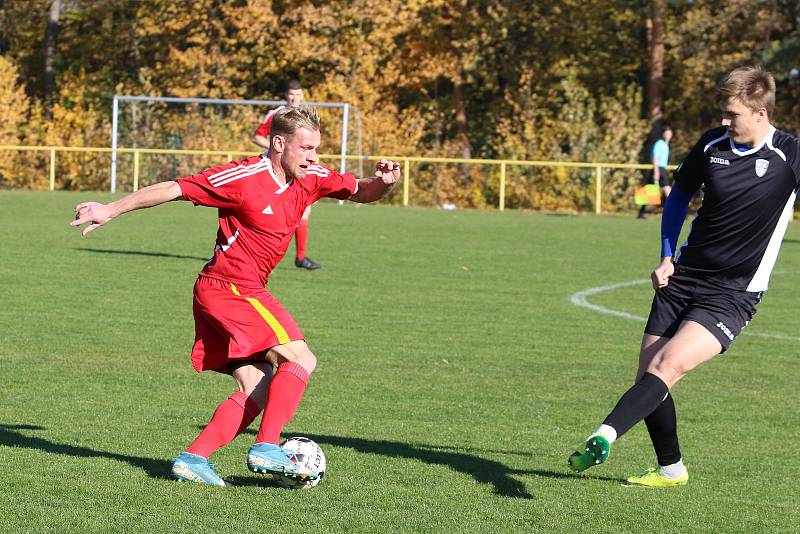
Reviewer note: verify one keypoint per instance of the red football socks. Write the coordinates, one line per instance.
(230, 419)
(301, 238)
(283, 398)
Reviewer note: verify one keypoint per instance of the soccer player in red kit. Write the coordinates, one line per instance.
(294, 97)
(240, 328)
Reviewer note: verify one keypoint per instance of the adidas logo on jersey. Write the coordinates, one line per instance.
(721, 161)
(267, 210)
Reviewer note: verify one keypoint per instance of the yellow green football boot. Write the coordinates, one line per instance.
(596, 451)
(652, 478)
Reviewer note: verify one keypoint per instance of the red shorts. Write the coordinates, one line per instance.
(234, 323)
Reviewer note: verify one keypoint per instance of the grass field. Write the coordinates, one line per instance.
(455, 377)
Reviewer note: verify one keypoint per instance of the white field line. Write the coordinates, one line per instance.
(580, 299)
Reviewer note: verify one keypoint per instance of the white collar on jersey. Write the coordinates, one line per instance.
(766, 141)
(281, 187)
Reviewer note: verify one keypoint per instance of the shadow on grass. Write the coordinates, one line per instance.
(142, 253)
(486, 451)
(482, 470)
(10, 437)
(254, 481)
(536, 472)
(572, 476)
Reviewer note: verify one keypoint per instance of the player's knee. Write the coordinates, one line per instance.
(308, 361)
(305, 359)
(299, 353)
(669, 367)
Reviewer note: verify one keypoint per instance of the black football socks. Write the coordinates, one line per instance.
(637, 403)
(662, 425)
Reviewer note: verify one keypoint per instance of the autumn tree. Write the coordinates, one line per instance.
(14, 113)
(564, 80)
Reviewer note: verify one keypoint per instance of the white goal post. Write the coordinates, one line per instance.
(215, 101)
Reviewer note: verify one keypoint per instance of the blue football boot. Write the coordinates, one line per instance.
(270, 458)
(190, 467)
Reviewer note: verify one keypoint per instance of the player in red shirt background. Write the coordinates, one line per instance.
(294, 97)
(240, 328)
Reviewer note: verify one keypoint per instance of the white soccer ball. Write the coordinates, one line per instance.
(307, 453)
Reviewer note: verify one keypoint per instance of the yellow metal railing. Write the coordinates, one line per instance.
(406, 161)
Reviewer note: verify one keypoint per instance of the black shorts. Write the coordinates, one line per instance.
(233, 365)
(723, 312)
(663, 177)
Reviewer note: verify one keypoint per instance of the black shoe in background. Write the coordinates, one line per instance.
(306, 263)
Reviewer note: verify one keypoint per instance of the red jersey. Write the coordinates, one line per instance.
(263, 128)
(257, 215)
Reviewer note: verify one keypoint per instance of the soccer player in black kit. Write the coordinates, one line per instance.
(750, 174)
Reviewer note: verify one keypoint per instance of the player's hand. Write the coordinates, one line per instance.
(388, 171)
(660, 276)
(94, 213)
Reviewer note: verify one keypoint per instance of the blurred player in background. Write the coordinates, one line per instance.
(659, 158)
(240, 328)
(750, 175)
(294, 97)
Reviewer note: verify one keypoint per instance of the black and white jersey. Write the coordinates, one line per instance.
(749, 195)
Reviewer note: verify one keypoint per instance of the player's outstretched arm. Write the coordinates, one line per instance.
(97, 214)
(387, 173)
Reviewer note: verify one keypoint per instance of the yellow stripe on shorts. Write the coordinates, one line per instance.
(273, 323)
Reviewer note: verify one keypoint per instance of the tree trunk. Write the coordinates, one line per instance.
(654, 24)
(461, 123)
(50, 39)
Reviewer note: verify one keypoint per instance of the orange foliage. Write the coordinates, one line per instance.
(548, 80)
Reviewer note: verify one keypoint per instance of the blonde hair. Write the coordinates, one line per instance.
(288, 120)
(753, 86)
